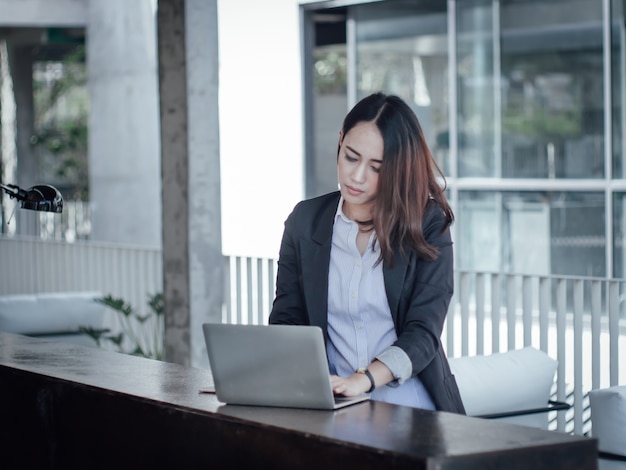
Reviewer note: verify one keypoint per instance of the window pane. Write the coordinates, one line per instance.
(578, 234)
(538, 233)
(619, 229)
(552, 89)
(477, 237)
(618, 65)
(475, 39)
(330, 102)
(402, 50)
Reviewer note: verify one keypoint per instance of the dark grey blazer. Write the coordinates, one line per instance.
(418, 291)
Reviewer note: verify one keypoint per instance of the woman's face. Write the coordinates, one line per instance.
(358, 164)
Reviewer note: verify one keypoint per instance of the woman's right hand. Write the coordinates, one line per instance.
(356, 384)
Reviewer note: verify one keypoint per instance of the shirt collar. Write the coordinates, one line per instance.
(340, 212)
(340, 215)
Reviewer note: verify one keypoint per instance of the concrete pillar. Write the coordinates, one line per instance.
(205, 214)
(124, 151)
(192, 248)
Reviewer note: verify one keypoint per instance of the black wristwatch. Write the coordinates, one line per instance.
(368, 374)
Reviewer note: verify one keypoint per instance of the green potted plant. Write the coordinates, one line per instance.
(140, 335)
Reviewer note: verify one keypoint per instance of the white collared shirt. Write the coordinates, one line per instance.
(360, 326)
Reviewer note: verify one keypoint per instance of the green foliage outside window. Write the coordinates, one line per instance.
(61, 122)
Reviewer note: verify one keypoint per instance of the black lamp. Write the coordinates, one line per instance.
(41, 197)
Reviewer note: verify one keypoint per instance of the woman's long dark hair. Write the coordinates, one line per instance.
(406, 182)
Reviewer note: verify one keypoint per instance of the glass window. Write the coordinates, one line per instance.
(402, 49)
(552, 89)
(477, 231)
(475, 89)
(577, 232)
(529, 96)
(539, 233)
(330, 102)
(329, 99)
(618, 66)
(530, 102)
(619, 229)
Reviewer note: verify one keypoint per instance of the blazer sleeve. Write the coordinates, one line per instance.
(289, 307)
(426, 296)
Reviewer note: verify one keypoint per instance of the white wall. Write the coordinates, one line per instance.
(261, 124)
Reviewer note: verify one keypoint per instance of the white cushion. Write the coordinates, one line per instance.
(515, 380)
(608, 418)
(50, 312)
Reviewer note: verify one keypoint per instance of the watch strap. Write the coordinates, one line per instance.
(369, 375)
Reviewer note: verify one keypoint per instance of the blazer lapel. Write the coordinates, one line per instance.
(315, 257)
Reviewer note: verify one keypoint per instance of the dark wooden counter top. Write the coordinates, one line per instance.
(76, 407)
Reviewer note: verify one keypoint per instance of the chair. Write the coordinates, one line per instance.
(513, 386)
(52, 315)
(608, 425)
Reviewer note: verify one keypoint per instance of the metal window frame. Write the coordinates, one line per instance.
(455, 184)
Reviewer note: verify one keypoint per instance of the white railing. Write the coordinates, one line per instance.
(249, 293)
(578, 321)
(31, 265)
(74, 223)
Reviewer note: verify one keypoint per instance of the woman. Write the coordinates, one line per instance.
(372, 265)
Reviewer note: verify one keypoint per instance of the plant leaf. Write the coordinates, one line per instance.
(116, 339)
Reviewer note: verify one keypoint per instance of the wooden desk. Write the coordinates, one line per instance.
(66, 406)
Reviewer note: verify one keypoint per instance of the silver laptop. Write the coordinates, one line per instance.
(271, 365)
